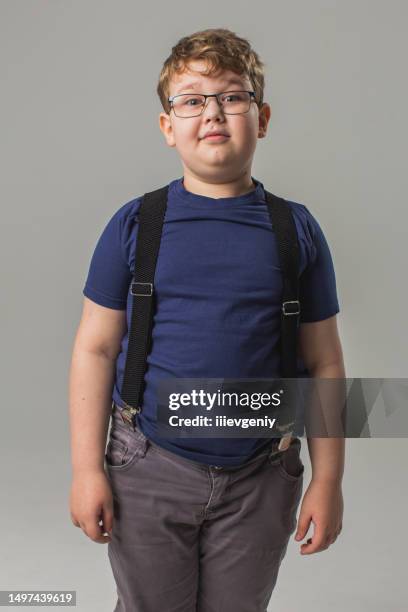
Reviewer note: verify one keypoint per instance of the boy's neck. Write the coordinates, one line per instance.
(234, 188)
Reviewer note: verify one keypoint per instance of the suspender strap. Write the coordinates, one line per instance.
(151, 218)
(283, 224)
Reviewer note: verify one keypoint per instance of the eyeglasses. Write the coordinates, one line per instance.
(192, 105)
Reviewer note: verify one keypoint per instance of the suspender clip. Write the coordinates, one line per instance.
(143, 289)
(293, 310)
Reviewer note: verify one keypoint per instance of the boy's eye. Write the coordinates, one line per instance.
(235, 97)
(193, 101)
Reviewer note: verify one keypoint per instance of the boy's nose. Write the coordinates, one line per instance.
(212, 107)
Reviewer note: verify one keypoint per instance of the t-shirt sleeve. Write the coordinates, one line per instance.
(317, 283)
(109, 274)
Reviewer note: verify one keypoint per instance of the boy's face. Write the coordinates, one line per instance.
(214, 160)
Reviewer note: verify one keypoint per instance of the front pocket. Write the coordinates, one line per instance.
(116, 452)
(125, 445)
(290, 465)
(119, 457)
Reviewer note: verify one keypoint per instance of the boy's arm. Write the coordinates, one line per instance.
(320, 348)
(322, 503)
(327, 454)
(96, 346)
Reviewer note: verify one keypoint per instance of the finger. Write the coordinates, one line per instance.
(312, 546)
(104, 533)
(323, 544)
(338, 532)
(93, 531)
(82, 526)
(303, 526)
(316, 543)
(107, 519)
(86, 529)
(74, 519)
(329, 540)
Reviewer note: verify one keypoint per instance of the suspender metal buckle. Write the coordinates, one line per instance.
(143, 289)
(127, 414)
(292, 310)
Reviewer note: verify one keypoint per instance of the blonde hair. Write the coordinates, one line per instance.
(222, 50)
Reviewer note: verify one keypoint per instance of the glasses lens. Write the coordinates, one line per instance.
(235, 102)
(188, 105)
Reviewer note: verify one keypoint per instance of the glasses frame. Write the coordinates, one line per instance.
(171, 99)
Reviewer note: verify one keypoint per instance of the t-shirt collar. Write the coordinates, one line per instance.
(255, 195)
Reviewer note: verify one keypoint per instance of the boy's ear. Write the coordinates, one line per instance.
(167, 129)
(264, 116)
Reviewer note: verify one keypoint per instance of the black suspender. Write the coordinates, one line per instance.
(283, 224)
(151, 217)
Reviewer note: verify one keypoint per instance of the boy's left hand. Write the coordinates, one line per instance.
(323, 505)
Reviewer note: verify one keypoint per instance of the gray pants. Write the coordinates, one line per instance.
(188, 537)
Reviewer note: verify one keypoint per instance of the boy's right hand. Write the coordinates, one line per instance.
(91, 501)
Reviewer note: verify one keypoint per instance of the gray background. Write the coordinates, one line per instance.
(80, 137)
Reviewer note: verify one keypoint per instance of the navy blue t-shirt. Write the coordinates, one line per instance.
(218, 285)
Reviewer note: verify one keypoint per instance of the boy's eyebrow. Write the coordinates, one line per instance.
(192, 84)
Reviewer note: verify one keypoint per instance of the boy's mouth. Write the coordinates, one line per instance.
(216, 136)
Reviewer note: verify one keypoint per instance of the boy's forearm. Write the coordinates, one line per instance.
(327, 454)
(327, 458)
(90, 393)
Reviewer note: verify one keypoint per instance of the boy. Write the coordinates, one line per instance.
(202, 525)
